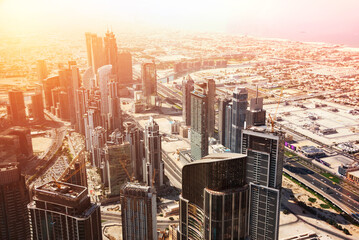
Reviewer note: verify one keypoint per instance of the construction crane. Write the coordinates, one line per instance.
(272, 119)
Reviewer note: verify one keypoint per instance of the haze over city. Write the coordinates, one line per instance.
(303, 20)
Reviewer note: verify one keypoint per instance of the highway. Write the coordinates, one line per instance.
(348, 198)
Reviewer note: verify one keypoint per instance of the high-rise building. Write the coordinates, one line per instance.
(228, 126)
(132, 135)
(187, 88)
(37, 107)
(110, 51)
(98, 141)
(199, 133)
(17, 107)
(49, 84)
(104, 77)
(9, 148)
(239, 111)
(211, 94)
(124, 64)
(88, 79)
(14, 220)
(138, 212)
(82, 98)
(63, 211)
(41, 70)
(149, 82)
(114, 114)
(265, 151)
(153, 168)
(118, 166)
(214, 199)
(256, 115)
(88, 37)
(222, 119)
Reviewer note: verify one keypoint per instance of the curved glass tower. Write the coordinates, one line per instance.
(214, 199)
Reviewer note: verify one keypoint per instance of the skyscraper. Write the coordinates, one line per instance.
(153, 168)
(264, 169)
(239, 111)
(211, 94)
(17, 107)
(199, 133)
(222, 119)
(256, 115)
(187, 88)
(49, 84)
(124, 64)
(149, 82)
(95, 51)
(118, 166)
(132, 135)
(138, 212)
(228, 126)
(110, 51)
(41, 70)
(214, 199)
(14, 221)
(37, 107)
(104, 77)
(114, 113)
(64, 211)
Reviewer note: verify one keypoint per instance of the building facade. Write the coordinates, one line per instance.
(199, 118)
(64, 211)
(265, 151)
(153, 167)
(14, 197)
(239, 112)
(138, 212)
(214, 199)
(149, 82)
(187, 89)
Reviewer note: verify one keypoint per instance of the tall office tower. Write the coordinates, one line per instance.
(114, 114)
(88, 79)
(187, 88)
(211, 94)
(37, 107)
(17, 107)
(153, 168)
(97, 52)
(75, 84)
(88, 37)
(214, 199)
(132, 135)
(118, 166)
(41, 70)
(199, 133)
(228, 126)
(49, 84)
(124, 64)
(149, 82)
(64, 106)
(256, 115)
(63, 211)
(264, 169)
(239, 112)
(99, 139)
(92, 119)
(82, 98)
(110, 50)
(14, 220)
(104, 77)
(138, 212)
(222, 119)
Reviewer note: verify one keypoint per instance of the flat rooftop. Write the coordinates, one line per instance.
(60, 191)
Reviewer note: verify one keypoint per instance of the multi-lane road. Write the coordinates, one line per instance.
(350, 199)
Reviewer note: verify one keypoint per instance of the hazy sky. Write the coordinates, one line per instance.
(331, 20)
